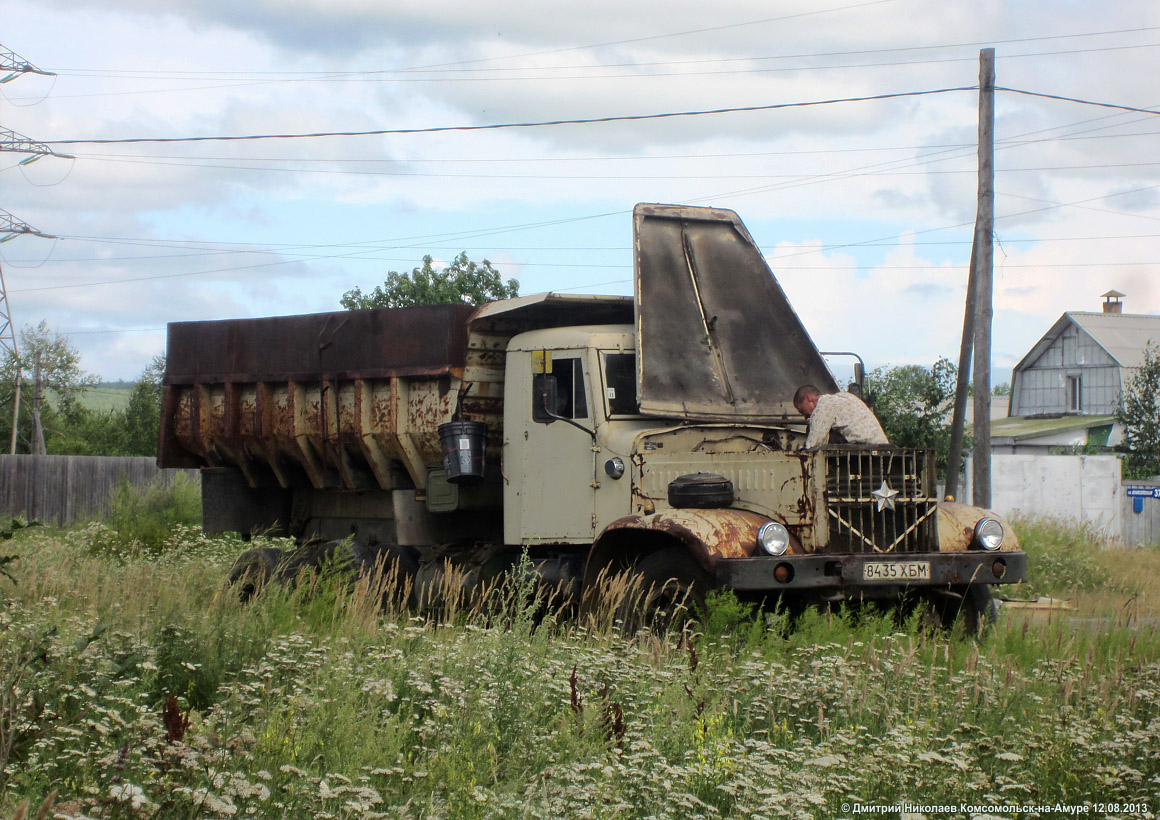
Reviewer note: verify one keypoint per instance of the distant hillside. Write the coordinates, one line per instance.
(108, 396)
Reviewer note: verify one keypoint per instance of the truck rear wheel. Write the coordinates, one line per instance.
(669, 590)
(252, 570)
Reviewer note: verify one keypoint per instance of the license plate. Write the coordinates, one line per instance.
(896, 571)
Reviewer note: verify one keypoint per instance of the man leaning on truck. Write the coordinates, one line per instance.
(842, 413)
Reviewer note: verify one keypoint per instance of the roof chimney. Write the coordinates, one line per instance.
(1112, 303)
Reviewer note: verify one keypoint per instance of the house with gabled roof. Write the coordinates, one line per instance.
(1065, 391)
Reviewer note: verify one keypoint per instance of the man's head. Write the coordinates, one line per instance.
(806, 399)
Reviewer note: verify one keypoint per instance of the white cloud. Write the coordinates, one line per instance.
(804, 179)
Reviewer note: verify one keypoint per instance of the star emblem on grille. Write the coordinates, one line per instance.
(885, 496)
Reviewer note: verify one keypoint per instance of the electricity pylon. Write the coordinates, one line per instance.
(10, 228)
(20, 144)
(16, 65)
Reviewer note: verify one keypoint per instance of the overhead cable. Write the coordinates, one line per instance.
(500, 126)
(1077, 100)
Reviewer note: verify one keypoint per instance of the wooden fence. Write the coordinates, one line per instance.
(68, 489)
(1141, 515)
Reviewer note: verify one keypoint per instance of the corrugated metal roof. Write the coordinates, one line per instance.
(1017, 427)
(1123, 335)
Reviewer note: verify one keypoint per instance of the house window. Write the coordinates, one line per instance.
(1074, 394)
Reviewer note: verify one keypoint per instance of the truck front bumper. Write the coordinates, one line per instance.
(848, 573)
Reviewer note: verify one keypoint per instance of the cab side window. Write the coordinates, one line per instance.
(563, 389)
(620, 383)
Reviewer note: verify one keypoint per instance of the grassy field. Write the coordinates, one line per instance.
(132, 684)
(108, 396)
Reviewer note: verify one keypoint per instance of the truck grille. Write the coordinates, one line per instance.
(880, 500)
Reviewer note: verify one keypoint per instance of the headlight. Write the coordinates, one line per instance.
(773, 538)
(989, 534)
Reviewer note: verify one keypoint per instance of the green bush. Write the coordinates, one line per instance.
(149, 515)
(1061, 558)
(725, 612)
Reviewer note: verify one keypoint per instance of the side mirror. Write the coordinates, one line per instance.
(545, 399)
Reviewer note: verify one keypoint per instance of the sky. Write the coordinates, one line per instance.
(864, 209)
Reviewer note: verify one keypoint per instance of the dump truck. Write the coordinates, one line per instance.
(652, 435)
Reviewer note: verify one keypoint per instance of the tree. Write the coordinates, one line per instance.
(143, 415)
(461, 282)
(51, 382)
(132, 431)
(914, 405)
(1139, 413)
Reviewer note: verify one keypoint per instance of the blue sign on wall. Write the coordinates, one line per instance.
(1143, 492)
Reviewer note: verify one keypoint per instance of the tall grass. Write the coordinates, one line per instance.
(146, 519)
(1063, 556)
(1073, 562)
(138, 686)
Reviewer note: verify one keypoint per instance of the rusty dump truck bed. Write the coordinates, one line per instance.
(428, 340)
(327, 400)
(350, 400)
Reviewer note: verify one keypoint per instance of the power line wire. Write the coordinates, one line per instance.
(592, 177)
(1077, 100)
(603, 75)
(588, 248)
(808, 180)
(506, 125)
(624, 157)
(309, 75)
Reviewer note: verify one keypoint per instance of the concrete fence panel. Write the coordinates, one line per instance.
(1084, 489)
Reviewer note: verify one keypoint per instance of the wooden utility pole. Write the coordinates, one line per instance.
(958, 419)
(37, 447)
(8, 348)
(982, 272)
(15, 413)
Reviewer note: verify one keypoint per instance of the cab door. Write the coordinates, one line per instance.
(551, 499)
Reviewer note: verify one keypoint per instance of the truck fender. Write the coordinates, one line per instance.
(956, 527)
(708, 534)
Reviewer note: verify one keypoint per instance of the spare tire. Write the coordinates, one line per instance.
(701, 490)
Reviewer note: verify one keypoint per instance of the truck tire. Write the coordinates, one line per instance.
(357, 559)
(400, 566)
(701, 491)
(981, 610)
(669, 591)
(970, 611)
(253, 570)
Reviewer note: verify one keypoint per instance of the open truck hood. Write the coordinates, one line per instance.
(718, 339)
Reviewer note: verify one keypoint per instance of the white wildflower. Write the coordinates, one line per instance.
(215, 804)
(128, 793)
(825, 761)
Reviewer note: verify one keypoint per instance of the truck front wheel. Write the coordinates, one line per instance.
(971, 610)
(668, 589)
